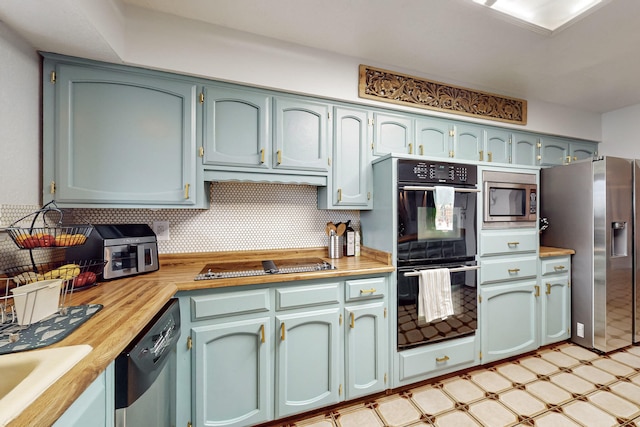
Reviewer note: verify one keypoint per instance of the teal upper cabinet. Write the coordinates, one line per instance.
(497, 146)
(582, 150)
(117, 137)
(253, 135)
(468, 142)
(433, 137)
(554, 151)
(393, 134)
(350, 183)
(558, 151)
(236, 127)
(524, 148)
(300, 134)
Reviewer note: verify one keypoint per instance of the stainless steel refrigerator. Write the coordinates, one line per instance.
(590, 208)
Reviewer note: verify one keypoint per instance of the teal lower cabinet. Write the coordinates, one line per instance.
(366, 348)
(308, 361)
(509, 319)
(256, 353)
(421, 363)
(96, 405)
(232, 373)
(556, 299)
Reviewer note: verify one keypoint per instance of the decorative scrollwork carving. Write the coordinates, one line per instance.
(388, 86)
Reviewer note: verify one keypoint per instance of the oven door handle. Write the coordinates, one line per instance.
(452, 270)
(420, 188)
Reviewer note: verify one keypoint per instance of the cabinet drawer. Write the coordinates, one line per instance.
(358, 289)
(508, 268)
(424, 360)
(512, 242)
(304, 296)
(556, 265)
(229, 303)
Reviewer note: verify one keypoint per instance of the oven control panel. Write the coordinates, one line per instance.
(428, 172)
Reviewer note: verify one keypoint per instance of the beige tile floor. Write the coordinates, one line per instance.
(563, 385)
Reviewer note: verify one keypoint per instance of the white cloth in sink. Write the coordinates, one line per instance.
(434, 295)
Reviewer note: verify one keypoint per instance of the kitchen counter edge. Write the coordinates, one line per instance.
(130, 303)
(548, 251)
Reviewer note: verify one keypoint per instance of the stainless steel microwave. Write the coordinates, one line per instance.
(510, 199)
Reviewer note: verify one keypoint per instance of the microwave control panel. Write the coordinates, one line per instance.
(428, 172)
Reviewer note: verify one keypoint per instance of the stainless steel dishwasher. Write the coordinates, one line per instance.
(145, 373)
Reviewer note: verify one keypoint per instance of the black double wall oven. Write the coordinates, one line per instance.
(421, 246)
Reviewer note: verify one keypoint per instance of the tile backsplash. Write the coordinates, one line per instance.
(242, 216)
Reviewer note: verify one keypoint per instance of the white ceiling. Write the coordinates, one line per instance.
(593, 65)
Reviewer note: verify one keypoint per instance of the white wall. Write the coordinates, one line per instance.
(621, 132)
(19, 120)
(155, 40)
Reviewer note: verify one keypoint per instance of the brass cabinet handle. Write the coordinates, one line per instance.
(279, 155)
(339, 194)
(513, 243)
(568, 159)
(548, 288)
(186, 191)
(262, 339)
(481, 156)
(513, 270)
(558, 267)
(490, 156)
(442, 359)
(52, 187)
(537, 290)
(262, 155)
(410, 148)
(352, 322)
(368, 291)
(421, 147)
(282, 331)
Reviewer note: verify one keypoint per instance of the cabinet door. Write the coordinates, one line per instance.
(96, 405)
(232, 373)
(393, 134)
(351, 166)
(308, 361)
(236, 127)
(498, 146)
(433, 137)
(468, 142)
(582, 150)
(300, 135)
(509, 319)
(524, 149)
(554, 151)
(123, 138)
(556, 309)
(365, 349)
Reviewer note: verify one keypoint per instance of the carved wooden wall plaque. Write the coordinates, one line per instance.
(397, 88)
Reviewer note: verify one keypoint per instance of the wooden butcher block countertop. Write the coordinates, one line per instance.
(130, 303)
(548, 251)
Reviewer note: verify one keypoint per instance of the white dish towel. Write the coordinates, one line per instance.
(443, 198)
(434, 295)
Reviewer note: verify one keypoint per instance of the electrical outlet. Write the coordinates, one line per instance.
(161, 228)
(580, 330)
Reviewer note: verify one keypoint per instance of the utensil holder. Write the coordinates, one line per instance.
(335, 246)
